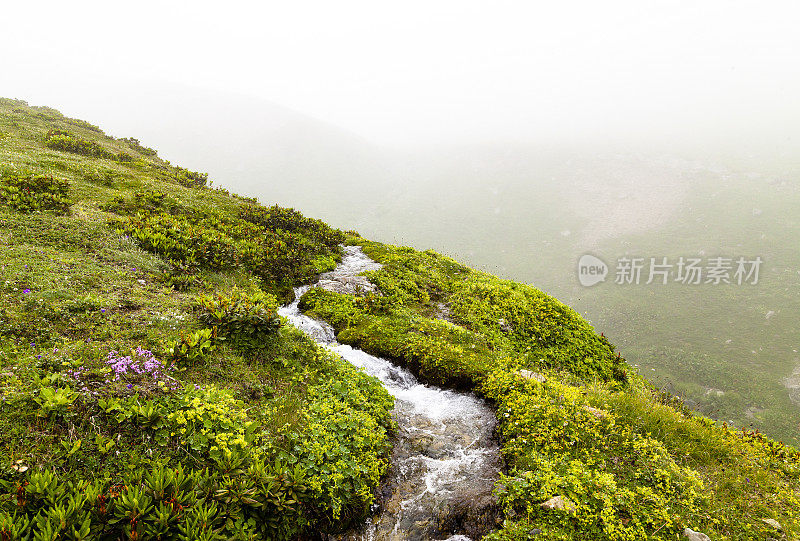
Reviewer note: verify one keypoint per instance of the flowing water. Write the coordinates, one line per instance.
(445, 460)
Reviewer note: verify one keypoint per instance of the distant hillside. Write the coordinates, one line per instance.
(260, 148)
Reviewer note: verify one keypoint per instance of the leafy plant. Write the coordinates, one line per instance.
(30, 192)
(210, 421)
(190, 179)
(55, 401)
(192, 347)
(246, 320)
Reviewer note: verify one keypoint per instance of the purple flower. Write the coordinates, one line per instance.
(26, 290)
(102, 310)
(130, 386)
(141, 361)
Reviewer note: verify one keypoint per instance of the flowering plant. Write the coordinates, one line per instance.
(141, 365)
(139, 368)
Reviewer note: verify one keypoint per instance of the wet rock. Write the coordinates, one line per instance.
(347, 285)
(695, 536)
(474, 514)
(529, 374)
(558, 503)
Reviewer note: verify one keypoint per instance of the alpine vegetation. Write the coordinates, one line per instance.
(150, 388)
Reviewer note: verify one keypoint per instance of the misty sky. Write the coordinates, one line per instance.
(427, 71)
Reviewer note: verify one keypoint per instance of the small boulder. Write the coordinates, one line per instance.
(346, 285)
(530, 374)
(695, 536)
(559, 503)
(772, 522)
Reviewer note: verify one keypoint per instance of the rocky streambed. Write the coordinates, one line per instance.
(445, 460)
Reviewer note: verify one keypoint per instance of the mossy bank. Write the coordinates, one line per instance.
(150, 391)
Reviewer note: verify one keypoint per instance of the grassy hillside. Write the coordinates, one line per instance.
(149, 390)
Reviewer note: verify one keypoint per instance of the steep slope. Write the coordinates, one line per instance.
(154, 394)
(149, 389)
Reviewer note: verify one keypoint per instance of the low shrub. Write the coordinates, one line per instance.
(276, 218)
(190, 179)
(144, 201)
(32, 192)
(552, 334)
(210, 422)
(104, 177)
(206, 241)
(262, 501)
(138, 147)
(344, 447)
(244, 319)
(204, 238)
(619, 484)
(180, 278)
(66, 142)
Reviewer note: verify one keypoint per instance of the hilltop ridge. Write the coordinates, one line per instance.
(150, 390)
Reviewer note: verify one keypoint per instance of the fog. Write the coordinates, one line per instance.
(515, 136)
(432, 72)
